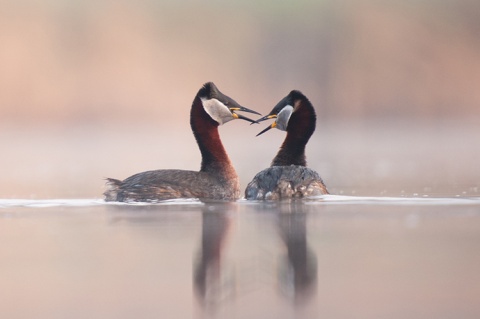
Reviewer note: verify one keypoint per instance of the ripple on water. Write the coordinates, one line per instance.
(39, 203)
(323, 200)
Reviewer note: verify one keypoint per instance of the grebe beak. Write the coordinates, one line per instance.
(273, 125)
(243, 109)
(241, 117)
(267, 117)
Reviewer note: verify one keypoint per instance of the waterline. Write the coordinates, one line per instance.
(323, 200)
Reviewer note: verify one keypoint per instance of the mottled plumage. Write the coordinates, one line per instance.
(216, 179)
(288, 176)
(168, 184)
(280, 182)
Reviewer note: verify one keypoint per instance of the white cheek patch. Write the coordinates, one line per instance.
(217, 110)
(283, 117)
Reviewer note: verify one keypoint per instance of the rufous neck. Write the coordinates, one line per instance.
(299, 130)
(205, 130)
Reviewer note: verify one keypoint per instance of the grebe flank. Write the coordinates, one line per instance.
(216, 179)
(288, 176)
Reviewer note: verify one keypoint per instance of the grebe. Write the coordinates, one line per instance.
(288, 176)
(216, 179)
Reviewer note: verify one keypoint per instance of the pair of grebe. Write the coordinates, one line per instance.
(217, 179)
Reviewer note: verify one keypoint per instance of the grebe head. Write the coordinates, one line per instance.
(220, 107)
(283, 111)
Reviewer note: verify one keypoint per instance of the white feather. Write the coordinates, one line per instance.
(283, 117)
(217, 110)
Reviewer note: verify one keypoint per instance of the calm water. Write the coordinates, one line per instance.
(332, 257)
(406, 246)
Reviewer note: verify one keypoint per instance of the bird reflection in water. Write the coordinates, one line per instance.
(295, 272)
(213, 284)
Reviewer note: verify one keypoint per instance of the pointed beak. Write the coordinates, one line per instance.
(267, 117)
(273, 125)
(244, 109)
(241, 117)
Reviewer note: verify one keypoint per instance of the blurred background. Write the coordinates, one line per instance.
(95, 89)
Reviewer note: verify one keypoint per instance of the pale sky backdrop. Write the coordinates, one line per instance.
(82, 61)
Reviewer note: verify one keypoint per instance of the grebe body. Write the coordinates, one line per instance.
(163, 184)
(288, 176)
(217, 178)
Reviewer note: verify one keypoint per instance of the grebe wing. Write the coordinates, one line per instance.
(279, 182)
(159, 185)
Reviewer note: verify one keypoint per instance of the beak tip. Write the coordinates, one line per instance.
(241, 117)
(244, 109)
(266, 129)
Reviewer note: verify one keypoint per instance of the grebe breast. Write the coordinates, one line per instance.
(283, 182)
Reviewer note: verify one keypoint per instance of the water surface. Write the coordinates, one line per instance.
(331, 257)
(404, 243)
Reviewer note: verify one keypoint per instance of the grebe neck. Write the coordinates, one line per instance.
(205, 130)
(299, 130)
